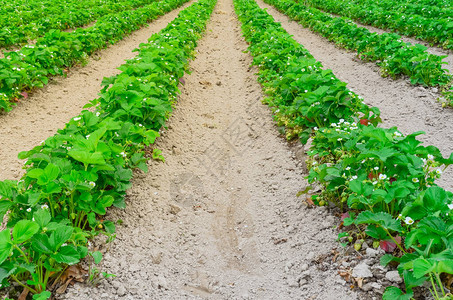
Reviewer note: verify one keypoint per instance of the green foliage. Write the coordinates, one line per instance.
(395, 57)
(386, 180)
(73, 177)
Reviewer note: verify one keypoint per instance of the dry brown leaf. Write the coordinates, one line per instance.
(23, 295)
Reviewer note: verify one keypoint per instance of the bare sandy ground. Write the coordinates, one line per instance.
(48, 109)
(220, 218)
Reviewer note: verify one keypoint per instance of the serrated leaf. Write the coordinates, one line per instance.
(382, 219)
(67, 255)
(24, 230)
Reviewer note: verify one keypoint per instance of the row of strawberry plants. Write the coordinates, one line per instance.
(32, 66)
(19, 12)
(422, 8)
(437, 30)
(395, 57)
(74, 15)
(385, 180)
(73, 177)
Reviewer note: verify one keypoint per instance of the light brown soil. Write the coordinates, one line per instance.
(431, 49)
(48, 109)
(220, 218)
(408, 107)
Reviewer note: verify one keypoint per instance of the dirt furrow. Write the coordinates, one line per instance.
(431, 49)
(413, 41)
(48, 109)
(403, 105)
(220, 218)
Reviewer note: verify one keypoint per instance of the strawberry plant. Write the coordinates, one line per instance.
(73, 177)
(395, 57)
(32, 66)
(62, 15)
(425, 21)
(385, 181)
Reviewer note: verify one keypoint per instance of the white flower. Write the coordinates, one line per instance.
(371, 158)
(29, 209)
(92, 184)
(88, 136)
(415, 180)
(123, 154)
(430, 157)
(408, 221)
(382, 176)
(348, 168)
(315, 128)
(64, 245)
(374, 182)
(439, 171)
(450, 206)
(376, 168)
(341, 121)
(396, 133)
(333, 125)
(98, 114)
(400, 216)
(77, 118)
(339, 139)
(44, 206)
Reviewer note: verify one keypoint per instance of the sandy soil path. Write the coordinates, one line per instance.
(220, 218)
(48, 109)
(403, 105)
(432, 49)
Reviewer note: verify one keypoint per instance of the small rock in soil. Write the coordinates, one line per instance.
(362, 270)
(371, 252)
(394, 276)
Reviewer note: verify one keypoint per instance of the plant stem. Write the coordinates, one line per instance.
(23, 285)
(434, 285)
(439, 282)
(393, 239)
(21, 252)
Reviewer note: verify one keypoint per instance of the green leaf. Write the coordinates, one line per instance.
(41, 244)
(87, 158)
(422, 267)
(42, 296)
(382, 219)
(97, 256)
(386, 259)
(435, 198)
(24, 230)
(445, 266)
(42, 217)
(67, 255)
(394, 293)
(109, 227)
(61, 235)
(6, 246)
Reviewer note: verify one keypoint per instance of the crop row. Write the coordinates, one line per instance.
(73, 16)
(32, 66)
(73, 177)
(435, 30)
(385, 181)
(423, 8)
(395, 57)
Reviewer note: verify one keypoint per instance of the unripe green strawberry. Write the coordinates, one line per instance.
(376, 244)
(357, 246)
